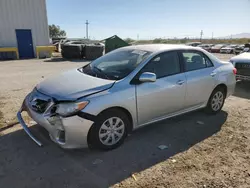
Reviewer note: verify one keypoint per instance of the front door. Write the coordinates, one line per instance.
(164, 96)
(25, 43)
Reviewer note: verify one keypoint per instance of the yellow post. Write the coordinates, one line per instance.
(37, 53)
(50, 49)
(10, 49)
(17, 54)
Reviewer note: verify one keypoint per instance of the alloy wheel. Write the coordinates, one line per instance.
(217, 101)
(111, 131)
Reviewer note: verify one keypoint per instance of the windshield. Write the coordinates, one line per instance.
(116, 65)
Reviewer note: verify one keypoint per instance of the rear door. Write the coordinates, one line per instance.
(165, 95)
(200, 75)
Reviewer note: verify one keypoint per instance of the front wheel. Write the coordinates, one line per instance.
(216, 101)
(110, 130)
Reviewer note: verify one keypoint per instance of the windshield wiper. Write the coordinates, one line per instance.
(101, 71)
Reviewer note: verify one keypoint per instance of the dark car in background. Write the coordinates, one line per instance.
(242, 64)
(239, 49)
(246, 47)
(206, 47)
(216, 48)
(193, 44)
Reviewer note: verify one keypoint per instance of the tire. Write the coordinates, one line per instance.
(218, 97)
(72, 51)
(102, 136)
(93, 52)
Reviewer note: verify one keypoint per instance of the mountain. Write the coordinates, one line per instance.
(237, 36)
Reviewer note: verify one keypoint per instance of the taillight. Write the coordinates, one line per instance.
(235, 71)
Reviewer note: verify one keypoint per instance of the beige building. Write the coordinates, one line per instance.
(23, 24)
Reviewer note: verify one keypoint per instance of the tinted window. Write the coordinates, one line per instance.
(194, 61)
(165, 64)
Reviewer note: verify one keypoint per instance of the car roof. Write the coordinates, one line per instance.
(157, 48)
(160, 47)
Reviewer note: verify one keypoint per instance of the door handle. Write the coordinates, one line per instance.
(180, 82)
(213, 74)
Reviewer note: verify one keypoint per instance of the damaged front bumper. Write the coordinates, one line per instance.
(68, 132)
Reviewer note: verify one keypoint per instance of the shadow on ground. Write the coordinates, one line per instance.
(242, 90)
(24, 164)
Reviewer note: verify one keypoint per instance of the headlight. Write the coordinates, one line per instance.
(67, 109)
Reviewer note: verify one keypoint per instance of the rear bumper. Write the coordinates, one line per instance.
(70, 132)
(215, 50)
(242, 77)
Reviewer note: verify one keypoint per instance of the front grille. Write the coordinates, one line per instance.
(243, 69)
(39, 102)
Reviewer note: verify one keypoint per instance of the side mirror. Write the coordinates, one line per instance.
(147, 77)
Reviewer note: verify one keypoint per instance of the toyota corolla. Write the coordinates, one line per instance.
(100, 103)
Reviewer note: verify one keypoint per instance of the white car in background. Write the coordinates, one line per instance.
(228, 49)
(242, 64)
(239, 49)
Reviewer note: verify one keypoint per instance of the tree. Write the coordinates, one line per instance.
(55, 31)
(129, 40)
(157, 40)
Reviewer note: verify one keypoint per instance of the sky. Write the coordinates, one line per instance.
(149, 19)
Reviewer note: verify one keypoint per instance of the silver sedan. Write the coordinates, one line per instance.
(100, 103)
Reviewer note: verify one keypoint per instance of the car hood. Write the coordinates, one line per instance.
(244, 57)
(72, 85)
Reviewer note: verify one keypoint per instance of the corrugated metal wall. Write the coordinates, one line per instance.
(23, 14)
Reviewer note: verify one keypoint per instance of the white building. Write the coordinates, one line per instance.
(24, 24)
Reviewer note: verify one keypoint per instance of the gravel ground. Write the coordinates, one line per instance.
(203, 151)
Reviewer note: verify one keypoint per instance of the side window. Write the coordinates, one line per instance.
(194, 61)
(208, 61)
(165, 64)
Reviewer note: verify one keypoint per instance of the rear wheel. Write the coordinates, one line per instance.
(110, 130)
(216, 101)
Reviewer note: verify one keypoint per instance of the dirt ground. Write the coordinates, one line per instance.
(18, 78)
(202, 151)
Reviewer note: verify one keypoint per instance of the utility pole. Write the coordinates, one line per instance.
(212, 35)
(87, 29)
(201, 35)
